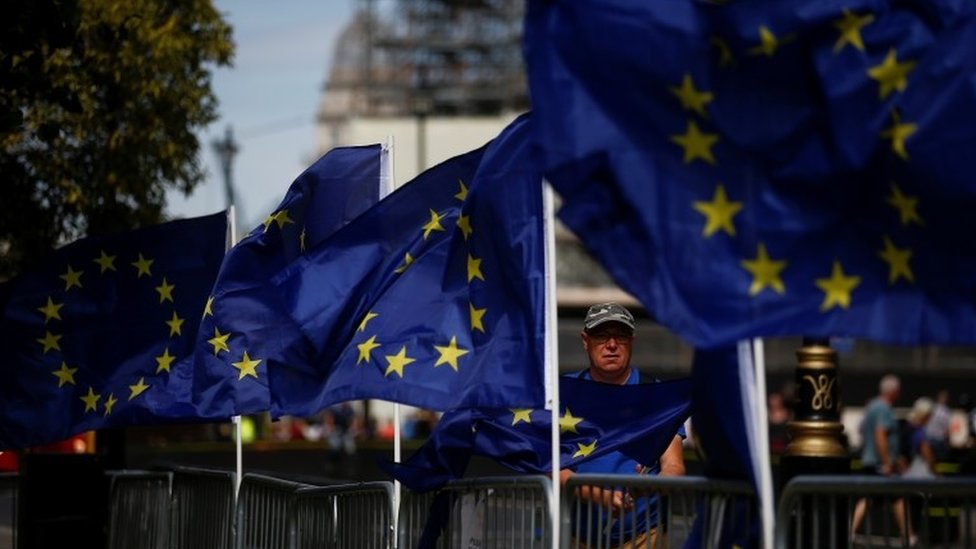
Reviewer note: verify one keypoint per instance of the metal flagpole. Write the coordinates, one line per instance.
(551, 347)
(764, 469)
(387, 184)
(236, 420)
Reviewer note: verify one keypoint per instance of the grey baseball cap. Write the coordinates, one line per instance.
(607, 312)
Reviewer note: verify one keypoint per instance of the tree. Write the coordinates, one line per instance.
(99, 102)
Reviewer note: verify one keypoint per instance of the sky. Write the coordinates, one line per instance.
(269, 96)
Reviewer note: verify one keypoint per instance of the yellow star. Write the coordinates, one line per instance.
(365, 348)
(725, 58)
(767, 43)
(837, 288)
(450, 354)
(208, 307)
(282, 219)
(268, 221)
(91, 400)
(584, 450)
(692, 99)
(397, 362)
(906, 205)
(164, 361)
(51, 310)
(897, 260)
(165, 291)
(462, 195)
(369, 316)
(568, 423)
(407, 260)
(50, 341)
(696, 144)
(142, 266)
(521, 414)
(718, 213)
(850, 30)
(247, 366)
(474, 268)
(433, 225)
(110, 403)
(765, 272)
(476, 317)
(138, 388)
(301, 240)
(175, 325)
(219, 341)
(105, 262)
(899, 133)
(464, 224)
(890, 74)
(65, 374)
(71, 278)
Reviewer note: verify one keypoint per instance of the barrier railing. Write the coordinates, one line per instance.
(345, 516)
(652, 511)
(9, 484)
(139, 509)
(263, 507)
(491, 512)
(817, 511)
(203, 508)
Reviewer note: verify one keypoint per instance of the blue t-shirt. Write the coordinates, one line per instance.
(617, 463)
(878, 413)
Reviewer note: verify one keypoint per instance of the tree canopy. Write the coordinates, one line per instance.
(99, 102)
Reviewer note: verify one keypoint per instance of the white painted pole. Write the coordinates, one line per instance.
(551, 353)
(236, 420)
(387, 185)
(764, 470)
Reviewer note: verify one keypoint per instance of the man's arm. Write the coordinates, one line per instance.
(884, 453)
(673, 459)
(614, 499)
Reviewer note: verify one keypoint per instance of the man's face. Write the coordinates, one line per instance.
(608, 346)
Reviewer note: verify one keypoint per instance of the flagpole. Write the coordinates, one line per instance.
(236, 420)
(764, 471)
(387, 184)
(551, 346)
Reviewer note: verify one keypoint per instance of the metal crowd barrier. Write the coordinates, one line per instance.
(344, 516)
(664, 509)
(203, 508)
(941, 512)
(9, 484)
(491, 512)
(263, 506)
(139, 509)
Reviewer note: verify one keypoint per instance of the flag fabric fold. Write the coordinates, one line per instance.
(229, 369)
(800, 168)
(91, 336)
(641, 422)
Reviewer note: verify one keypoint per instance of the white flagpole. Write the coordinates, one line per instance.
(387, 184)
(551, 351)
(236, 420)
(752, 387)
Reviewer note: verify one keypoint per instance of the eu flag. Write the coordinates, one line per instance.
(642, 421)
(755, 168)
(433, 297)
(229, 368)
(91, 335)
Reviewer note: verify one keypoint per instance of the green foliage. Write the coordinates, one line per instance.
(99, 102)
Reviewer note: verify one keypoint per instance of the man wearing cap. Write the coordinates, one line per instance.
(608, 336)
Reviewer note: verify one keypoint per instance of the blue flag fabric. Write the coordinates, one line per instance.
(641, 422)
(433, 297)
(786, 168)
(90, 336)
(229, 367)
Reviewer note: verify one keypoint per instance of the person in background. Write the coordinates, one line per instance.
(608, 337)
(937, 429)
(921, 455)
(880, 450)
